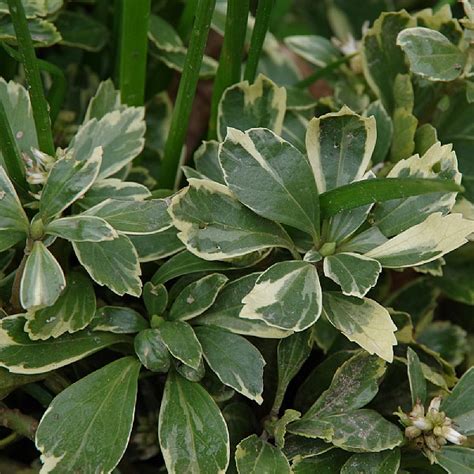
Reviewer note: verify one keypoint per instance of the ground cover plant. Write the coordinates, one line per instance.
(236, 236)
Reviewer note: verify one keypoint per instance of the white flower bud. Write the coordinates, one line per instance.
(453, 436)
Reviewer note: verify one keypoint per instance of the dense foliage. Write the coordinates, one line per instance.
(278, 280)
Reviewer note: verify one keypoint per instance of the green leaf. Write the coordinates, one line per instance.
(384, 127)
(176, 60)
(119, 133)
(105, 100)
(112, 263)
(73, 310)
(364, 431)
(328, 463)
(339, 147)
(163, 35)
(192, 431)
(134, 217)
(298, 447)
(152, 247)
(355, 273)
(256, 170)
(346, 223)
(206, 160)
(214, 225)
(20, 355)
(415, 378)
(152, 351)
(459, 405)
(369, 191)
(431, 55)
(397, 215)
(387, 462)
(256, 456)
(424, 242)
(81, 31)
(294, 129)
(155, 298)
(354, 385)
(185, 263)
(113, 188)
(280, 426)
(225, 312)
(456, 460)
(362, 321)
(292, 353)
(286, 296)
(43, 32)
(17, 105)
(195, 298)
(235, 361)
(81, 229)
(82, 438)
(316, 50)
(14, 224)
(119, 320)
(382, 59)
(68, 180)
(182, 342)
(244, 106)
(43, 279)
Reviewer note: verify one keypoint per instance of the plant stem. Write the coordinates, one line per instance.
(16, 421)
(11, 438)
(262, 21)
(33, 78)
(230, 61)
(15, 297)
(320, 73)
(134, 18)
(11, 154)
(185, 23)
(186, 92)
(57, 91)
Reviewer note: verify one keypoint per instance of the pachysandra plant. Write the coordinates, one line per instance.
(259, 319)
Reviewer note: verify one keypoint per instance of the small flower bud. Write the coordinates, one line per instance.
(432, 443)
(453, 436)
(435, 404)
(412, 432)
(422, 423)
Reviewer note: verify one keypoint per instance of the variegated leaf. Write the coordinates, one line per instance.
(82, 229)
(286, 296)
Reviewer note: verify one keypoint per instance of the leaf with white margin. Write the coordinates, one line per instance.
(254, 455)
(225, 312)
(214, 225)
(134, 217)
(81, 440)
(287, 296)
(67, 181)
(105, 100)
(397, 215)
(82, 228)
(235, 361)
(356, 274)
(151, 247)
(244, 106)
(14, 224)
(119, 133)
(387, 461)
(181, 341)
(315, 49)
(73, 310)
(431, 55)
(113, 188)
(16, 101)
(43, 279)
(192, 431)
(113, 263)
(271, 177)
(20, 355)
(196, 297)
(206, 160)
(434, 237)
(339, 146)
(384, 130)
(365, 241)
(363, 321)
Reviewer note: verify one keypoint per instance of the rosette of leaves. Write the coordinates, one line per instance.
(272, 196)
(81, 207)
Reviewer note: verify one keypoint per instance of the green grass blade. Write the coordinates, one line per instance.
(186, 92)
(11, 153)
(262, 22)
(33, 78)
(230, 61)
(369, 191)
(134, 18)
